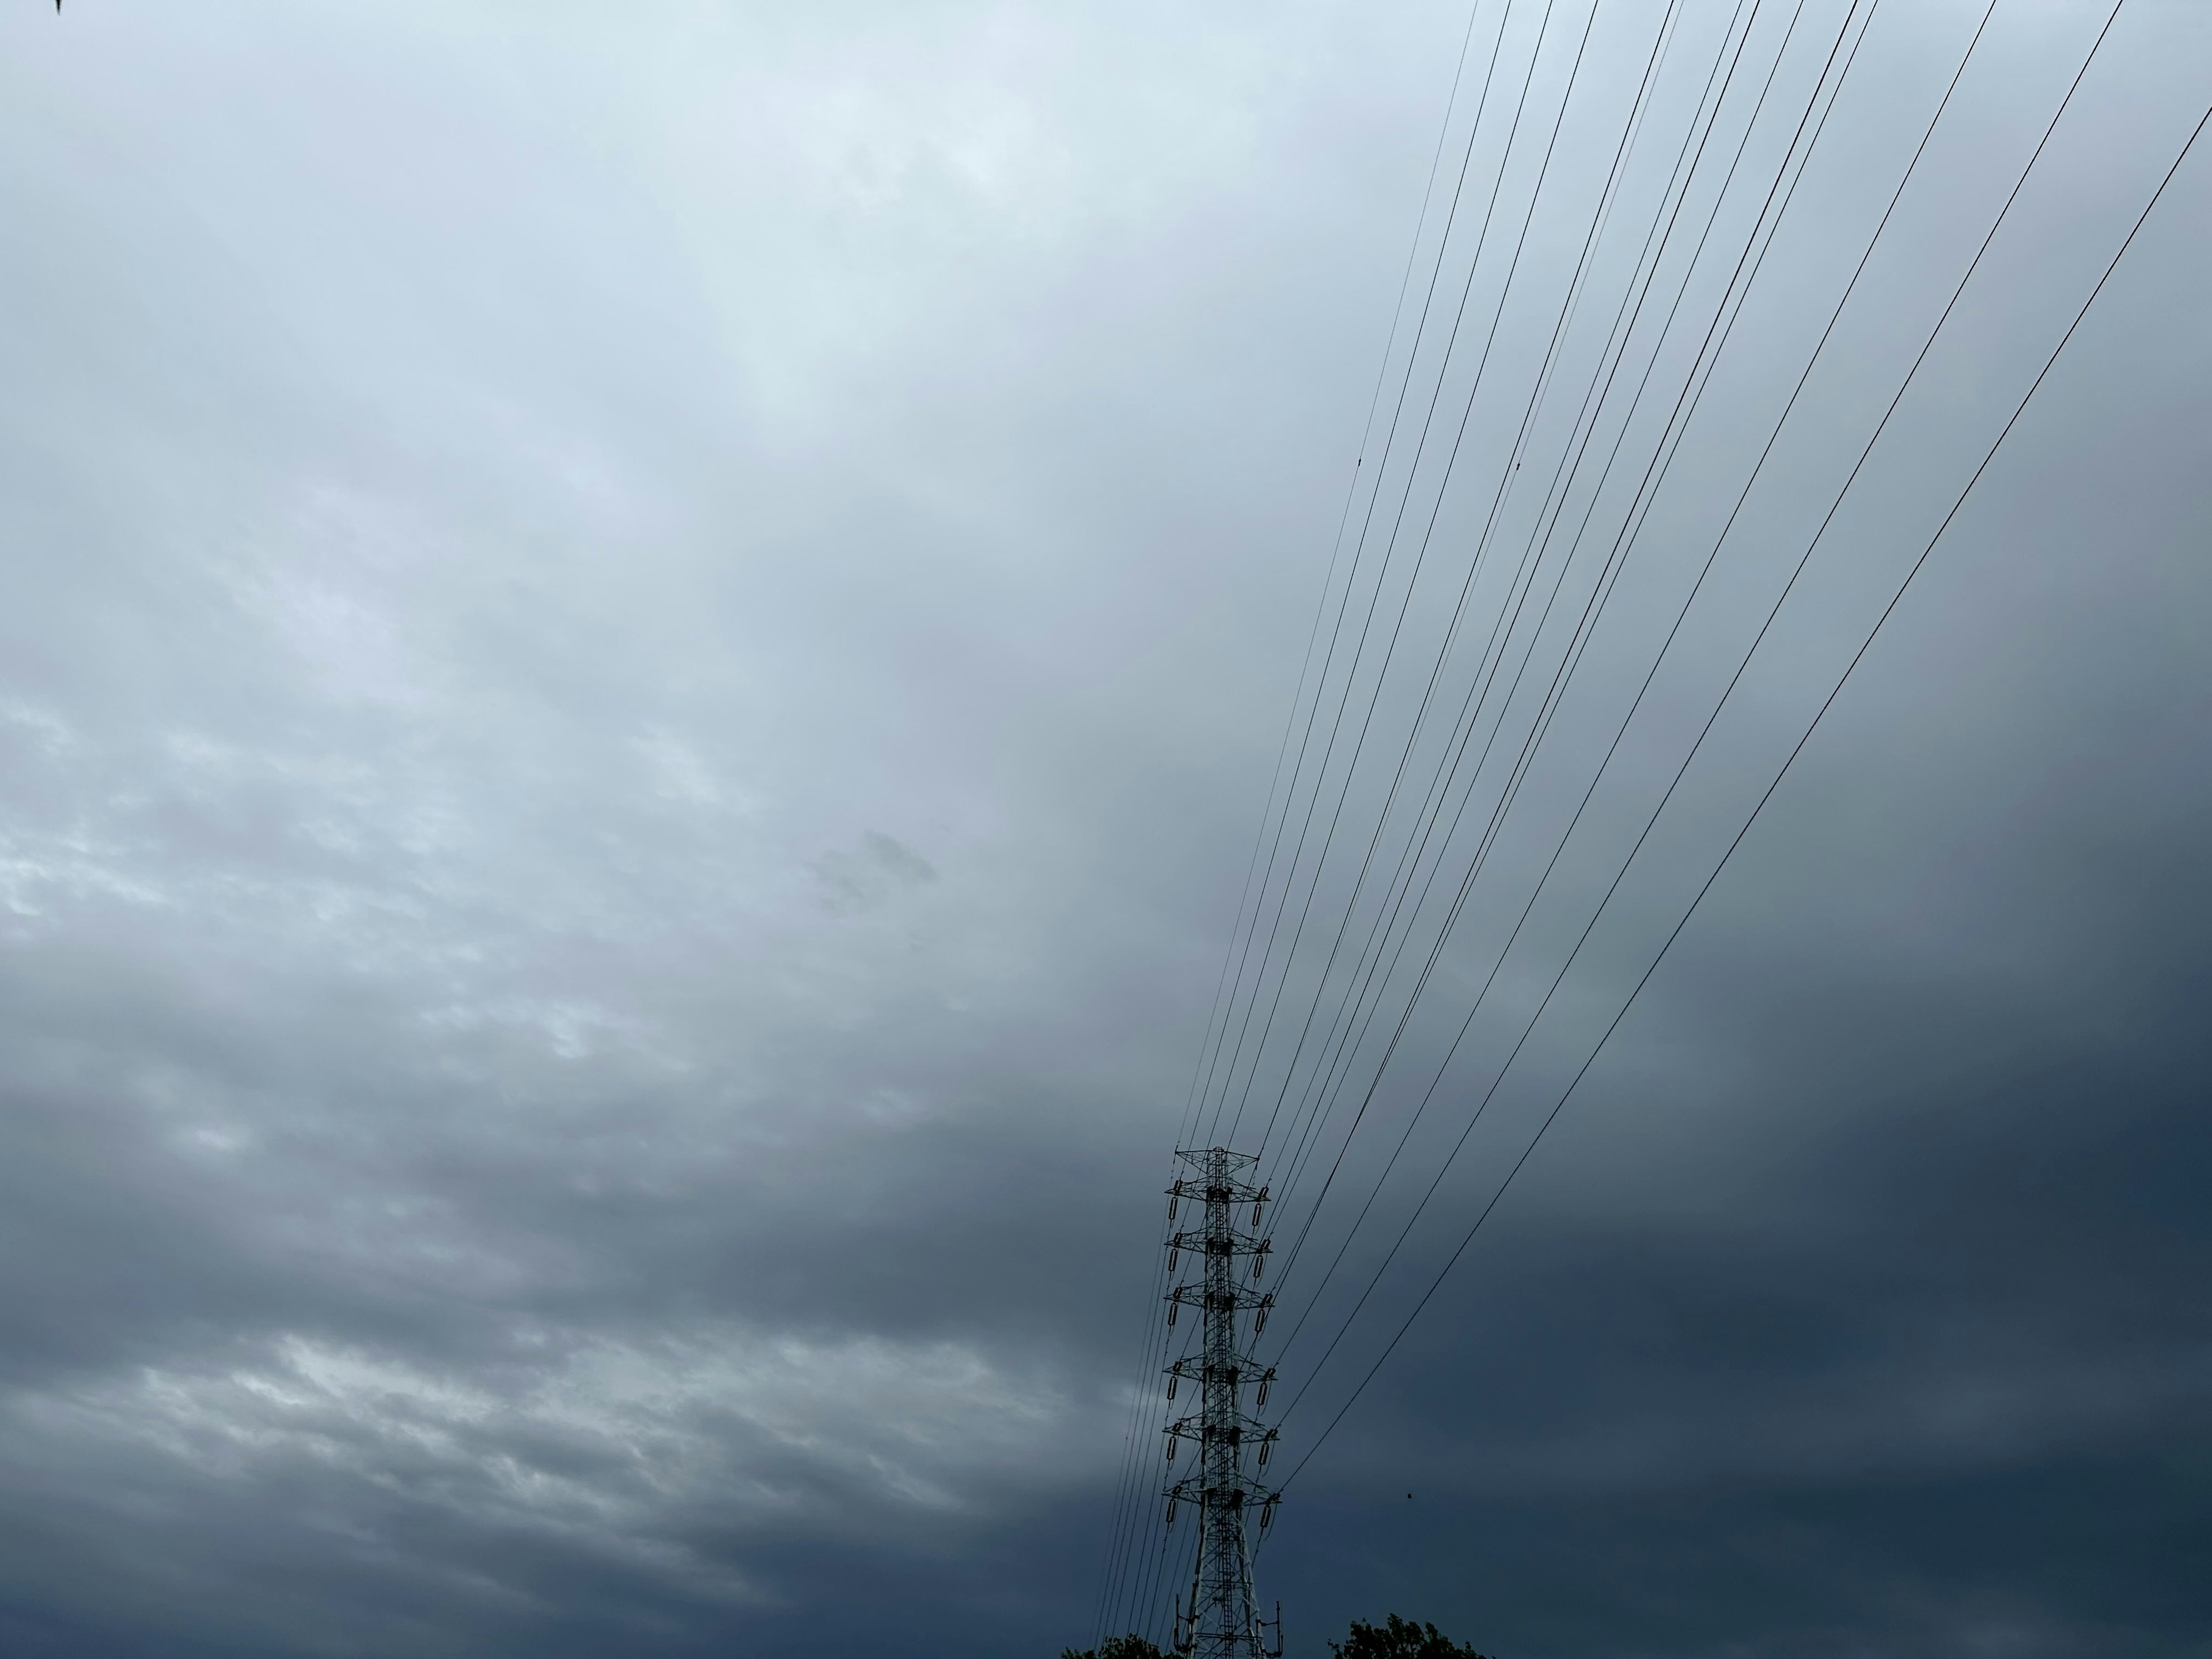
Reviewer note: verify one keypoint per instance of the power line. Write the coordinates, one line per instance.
(1575, 289)
(1430, 806)
(1373, 495)
(1505, 802)
(1621, 874)
(1609, 189)
(1389, 551)
(1321, 611)
(1827, 519)
(1798, 749)
(1413, 581)
(1358, 552)
(1600, 595)
(1486, 667)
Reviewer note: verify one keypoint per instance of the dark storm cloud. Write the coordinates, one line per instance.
(639, 660)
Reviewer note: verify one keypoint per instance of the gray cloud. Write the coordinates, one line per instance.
(640, 661)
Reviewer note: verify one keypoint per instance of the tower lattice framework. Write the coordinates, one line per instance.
(1220, 1619)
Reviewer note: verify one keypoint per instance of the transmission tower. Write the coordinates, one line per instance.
(1222, 1618)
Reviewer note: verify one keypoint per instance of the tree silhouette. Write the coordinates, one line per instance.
(1399, 1639)
(1115, 1647)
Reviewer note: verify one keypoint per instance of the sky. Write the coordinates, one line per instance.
(644, 649)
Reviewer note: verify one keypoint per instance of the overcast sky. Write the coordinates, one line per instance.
(642, 649)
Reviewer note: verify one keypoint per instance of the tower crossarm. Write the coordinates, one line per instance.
(1227, 1297)
(1238, 1428)
(1217, 1179)
(1229, 1244)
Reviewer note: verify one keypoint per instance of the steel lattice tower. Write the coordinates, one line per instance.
(1222, 1619)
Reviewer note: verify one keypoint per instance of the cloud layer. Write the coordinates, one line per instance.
(641, 657)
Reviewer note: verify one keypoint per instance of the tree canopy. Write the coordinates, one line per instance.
(1400, 1639)
(1115, 1647)
(1396, 1638)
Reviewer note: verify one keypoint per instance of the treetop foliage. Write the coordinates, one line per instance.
(1115, 1647)
(1399, 1639)
(1395, 1639)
